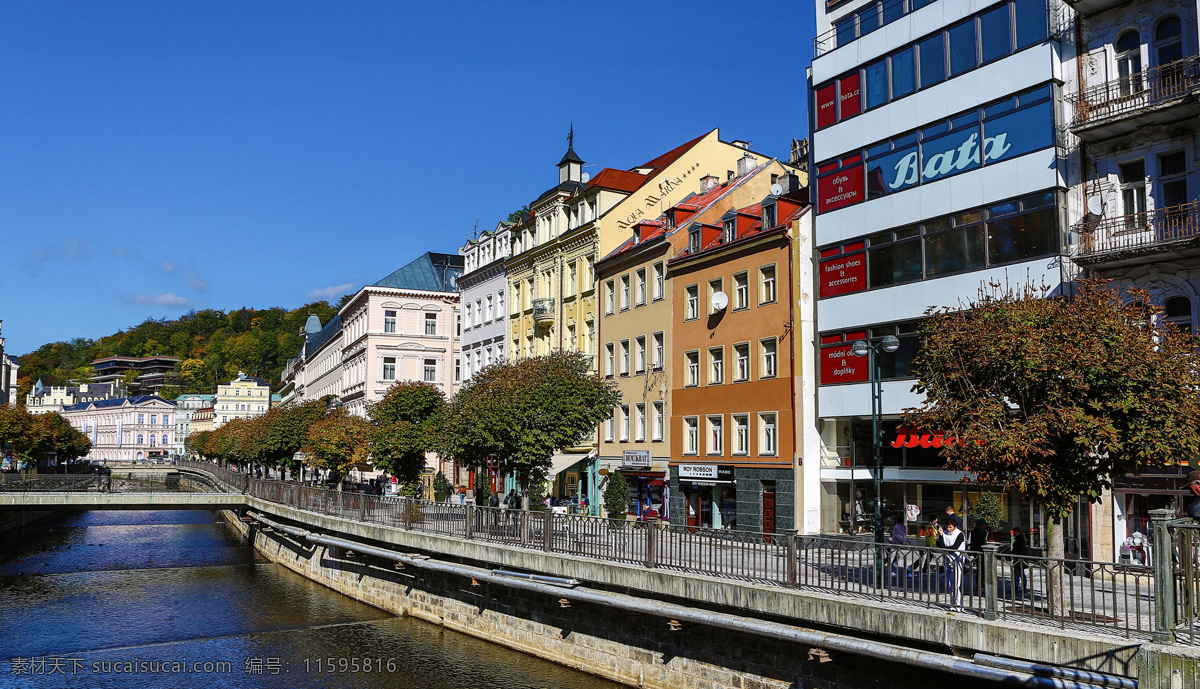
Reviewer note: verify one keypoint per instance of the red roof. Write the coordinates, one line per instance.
(673, 154)
(619, 180)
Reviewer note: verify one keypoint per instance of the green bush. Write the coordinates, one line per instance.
(616, 496)
(988, 511)
(441, 484)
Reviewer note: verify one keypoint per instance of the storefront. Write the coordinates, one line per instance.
(709, 495)
(647, 486)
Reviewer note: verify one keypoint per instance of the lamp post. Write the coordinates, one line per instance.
(888, 344)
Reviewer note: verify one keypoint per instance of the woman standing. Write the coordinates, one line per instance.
(952, 538)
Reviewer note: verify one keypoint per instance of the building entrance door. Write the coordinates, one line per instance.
(768, 506)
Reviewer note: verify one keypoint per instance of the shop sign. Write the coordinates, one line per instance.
(849, 98)
(842, 188)
(826, 105)
(911, 438)
(706, 472)
(839, 365)
(636, 459)
(843, 275)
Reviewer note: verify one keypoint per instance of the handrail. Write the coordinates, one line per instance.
(1127, 95)
(1138, 231)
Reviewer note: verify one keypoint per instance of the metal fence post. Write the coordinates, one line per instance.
(792, 547)
(469, 522)
(1164, 577)
(987, 572)
(406, 505)
(548, 531)
(651, 542)
(523, 524)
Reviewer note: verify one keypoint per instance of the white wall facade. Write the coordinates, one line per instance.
(485, 303)
(124, 430)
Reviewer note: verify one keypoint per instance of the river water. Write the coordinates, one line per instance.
(176, 599)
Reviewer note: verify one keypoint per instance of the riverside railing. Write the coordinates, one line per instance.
(1080, 595)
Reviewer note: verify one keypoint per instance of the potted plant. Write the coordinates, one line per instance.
(441, 487)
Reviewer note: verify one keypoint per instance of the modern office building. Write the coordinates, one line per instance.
(152, 372)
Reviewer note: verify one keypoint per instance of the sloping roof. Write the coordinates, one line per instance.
(570, 157)
(120, 401)
(429, 272)
(314, 342)
(674, 154)
(619, 180)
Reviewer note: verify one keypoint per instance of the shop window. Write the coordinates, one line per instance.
(741, 434)
(958, 247)
(1023, 236)
(894, 257)
(691, 435)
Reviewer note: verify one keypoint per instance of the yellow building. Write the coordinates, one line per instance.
(551, 280)
(242, 398)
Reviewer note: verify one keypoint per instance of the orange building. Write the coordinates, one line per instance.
(733, 441)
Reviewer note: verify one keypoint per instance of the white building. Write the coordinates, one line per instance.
(8, 375)
(940, 164)
(44, 400)
(129, 429)
(245, 397)
(484, 285)
(186, 407)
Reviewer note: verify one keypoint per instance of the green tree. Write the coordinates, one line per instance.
(283, 431)
(404, 426)
(523, 412)
(58, 436)
(441, 485)
(338, 442)
(988, 511)
(1055, 396)
(19, 432)
(616, 496)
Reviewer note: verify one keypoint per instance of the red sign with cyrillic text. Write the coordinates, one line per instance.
(839, 365)
(826, 106)
(843, 275)
(840, 189)
(849, 97)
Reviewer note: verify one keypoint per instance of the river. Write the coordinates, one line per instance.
(176, 599)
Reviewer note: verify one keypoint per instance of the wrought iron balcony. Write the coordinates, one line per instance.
(1154, 96)
(543, 311)
(1090, 7)
(1172, 230)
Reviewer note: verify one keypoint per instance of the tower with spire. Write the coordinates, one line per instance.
(570, 168)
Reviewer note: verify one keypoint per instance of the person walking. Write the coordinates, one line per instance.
(1020, 550)
(952, 539)
(975, 543)
(899, 559)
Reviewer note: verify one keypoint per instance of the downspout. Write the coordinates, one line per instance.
(734, 623)
(797, 479)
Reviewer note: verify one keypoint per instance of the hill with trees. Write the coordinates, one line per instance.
(212, 346)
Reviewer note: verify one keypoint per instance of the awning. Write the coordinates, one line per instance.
(560, 463)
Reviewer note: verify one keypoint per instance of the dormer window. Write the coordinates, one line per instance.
(637, 233)
(670, 219)
(769, 218)
(694, 241)
(730, 230)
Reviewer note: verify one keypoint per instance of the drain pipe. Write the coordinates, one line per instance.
(1091, 678)
(834, 642)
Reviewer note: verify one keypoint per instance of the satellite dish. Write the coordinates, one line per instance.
(1094, 205)
(585, 177)
(776, 190)
(719, 301)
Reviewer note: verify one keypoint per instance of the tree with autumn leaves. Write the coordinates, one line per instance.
(29, 435)
(1053, 396)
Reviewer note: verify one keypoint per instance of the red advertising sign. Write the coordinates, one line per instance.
(839, 365)
(849, 98)
(826, 105)
(840, 188)
(843, 275)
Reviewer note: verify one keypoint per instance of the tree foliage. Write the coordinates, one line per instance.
(338, 442)
(616, 496)
(29, 435)
(283, 431)
(523, 412)
(404, 426)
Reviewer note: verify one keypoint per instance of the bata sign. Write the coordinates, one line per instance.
(842, 188)
(910, 438)
(908, 171)
(843, 275)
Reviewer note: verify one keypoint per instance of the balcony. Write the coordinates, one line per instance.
(1160, 95)
(1164, 233)
(543, 311)
(1088, 8)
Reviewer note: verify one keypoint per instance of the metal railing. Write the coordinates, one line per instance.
(1129, 95)
(1139, 231)
(1080, 595)
(543, 308)
(109, 483)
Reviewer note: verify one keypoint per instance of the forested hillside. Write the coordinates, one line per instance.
(212, 344)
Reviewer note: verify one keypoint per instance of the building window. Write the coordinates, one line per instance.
(768, 359)
(457, 370)
(610, 297)
(624, 292)
(624, 423)
(571, 339)
(768, 438)
(691, 435)
(769, 219)
(153, 419)
(715, 287)
(729, 230)
(693, 302)
(487, 313)
(639, 422)
(659, 351)
(639, 360)
(572, 276)
(716, 366)
(694, 241)
(1133, 188)
(692, 375)
(1172, 176)
(139, 439)
(1167, 45)
(716, 436)
(624, 357)
(767, 277)
(141, 418)
(499, 304)
(741, 434)
(431, 370)
(389, 368)
(610, 425)
(660, 417)
(1129, 62)
(609, 359)
(640, 287)
(431, 324)
(741, 291)
(658, 281)
(742, 352)
(389, 321)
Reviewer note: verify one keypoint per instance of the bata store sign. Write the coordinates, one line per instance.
(839, 365)
(842, 188)
(843, 275)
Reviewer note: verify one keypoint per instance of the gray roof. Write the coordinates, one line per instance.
(136, 400)
(430, 272)
(312, 325)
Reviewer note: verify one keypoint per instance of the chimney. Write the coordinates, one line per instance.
(707, 182)
(744, 145)
(745, 164)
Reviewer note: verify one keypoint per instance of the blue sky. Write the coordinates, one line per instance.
(160, 157)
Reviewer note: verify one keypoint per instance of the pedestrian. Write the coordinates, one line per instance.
(583, 503)
(1020, 550)
(952, 539)
(975, 543)
(462, 496)
(1191, 503)
(899, 537)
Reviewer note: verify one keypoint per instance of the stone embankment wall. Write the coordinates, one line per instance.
(11, 520)
(636, 650)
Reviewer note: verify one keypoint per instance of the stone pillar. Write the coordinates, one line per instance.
(987, 571)
(792, 550)
(651, 543)
(1164, 577)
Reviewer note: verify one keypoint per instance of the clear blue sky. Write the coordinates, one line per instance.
(164, 156)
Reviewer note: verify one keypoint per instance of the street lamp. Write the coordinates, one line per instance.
(888, 344)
